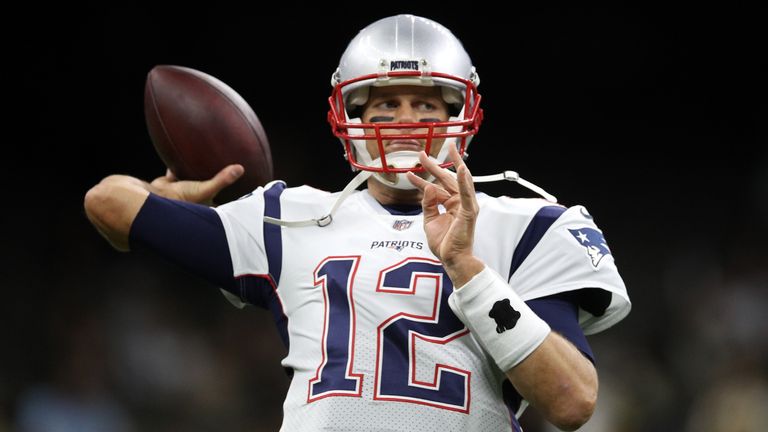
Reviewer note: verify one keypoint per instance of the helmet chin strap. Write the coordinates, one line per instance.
(398, 159)
(362, 176)
(514, 177)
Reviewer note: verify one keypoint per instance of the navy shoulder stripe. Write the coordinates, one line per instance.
(273, 241)
(542, 220)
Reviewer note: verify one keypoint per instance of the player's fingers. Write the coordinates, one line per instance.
(429, 202)
(441, 195)
(443, 176)
(456, 158)
(417, 181)
(226, 176)
(222, 179)
(232, 172)
(465, 183)
(170, 176)
(467, 191)
(160, 181)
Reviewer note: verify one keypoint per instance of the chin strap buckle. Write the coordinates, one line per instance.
(511, 176)
(325, 220)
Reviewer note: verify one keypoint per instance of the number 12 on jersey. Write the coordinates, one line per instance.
(396, 337)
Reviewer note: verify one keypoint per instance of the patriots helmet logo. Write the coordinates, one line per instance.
(594, 242)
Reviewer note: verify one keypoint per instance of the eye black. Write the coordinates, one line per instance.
(381, 119)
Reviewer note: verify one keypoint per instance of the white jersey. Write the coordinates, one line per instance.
(363, 304)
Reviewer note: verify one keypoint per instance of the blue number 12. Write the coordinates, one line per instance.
(398, 336)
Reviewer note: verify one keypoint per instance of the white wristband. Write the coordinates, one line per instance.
(498, 318)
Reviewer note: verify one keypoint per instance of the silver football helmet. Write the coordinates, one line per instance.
(403, 50)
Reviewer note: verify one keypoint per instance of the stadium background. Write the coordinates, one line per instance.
(653, 119)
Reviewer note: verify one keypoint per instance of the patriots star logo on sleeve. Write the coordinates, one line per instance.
(594, 242)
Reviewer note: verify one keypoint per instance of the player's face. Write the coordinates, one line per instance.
(405, 104)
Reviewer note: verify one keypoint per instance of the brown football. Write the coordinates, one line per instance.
(199, 125)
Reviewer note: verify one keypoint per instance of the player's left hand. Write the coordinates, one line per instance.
(450, 234)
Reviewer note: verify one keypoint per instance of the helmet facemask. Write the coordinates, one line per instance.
(389, 168)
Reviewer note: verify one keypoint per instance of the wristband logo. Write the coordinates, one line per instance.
(505, 315)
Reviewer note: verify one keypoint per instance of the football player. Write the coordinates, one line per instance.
(415, 304)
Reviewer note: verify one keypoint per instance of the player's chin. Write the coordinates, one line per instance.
(404, 145)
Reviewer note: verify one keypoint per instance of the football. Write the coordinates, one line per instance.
(199, 125)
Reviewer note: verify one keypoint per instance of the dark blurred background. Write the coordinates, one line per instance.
(655, 119)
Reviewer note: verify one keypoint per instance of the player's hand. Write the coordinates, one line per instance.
(450, 234)
(201, 192)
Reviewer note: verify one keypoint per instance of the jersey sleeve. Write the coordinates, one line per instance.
(243, 222)
(573, 256)
(187, 234)
(561, 313)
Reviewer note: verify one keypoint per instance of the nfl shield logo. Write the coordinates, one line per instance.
(402, 224)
